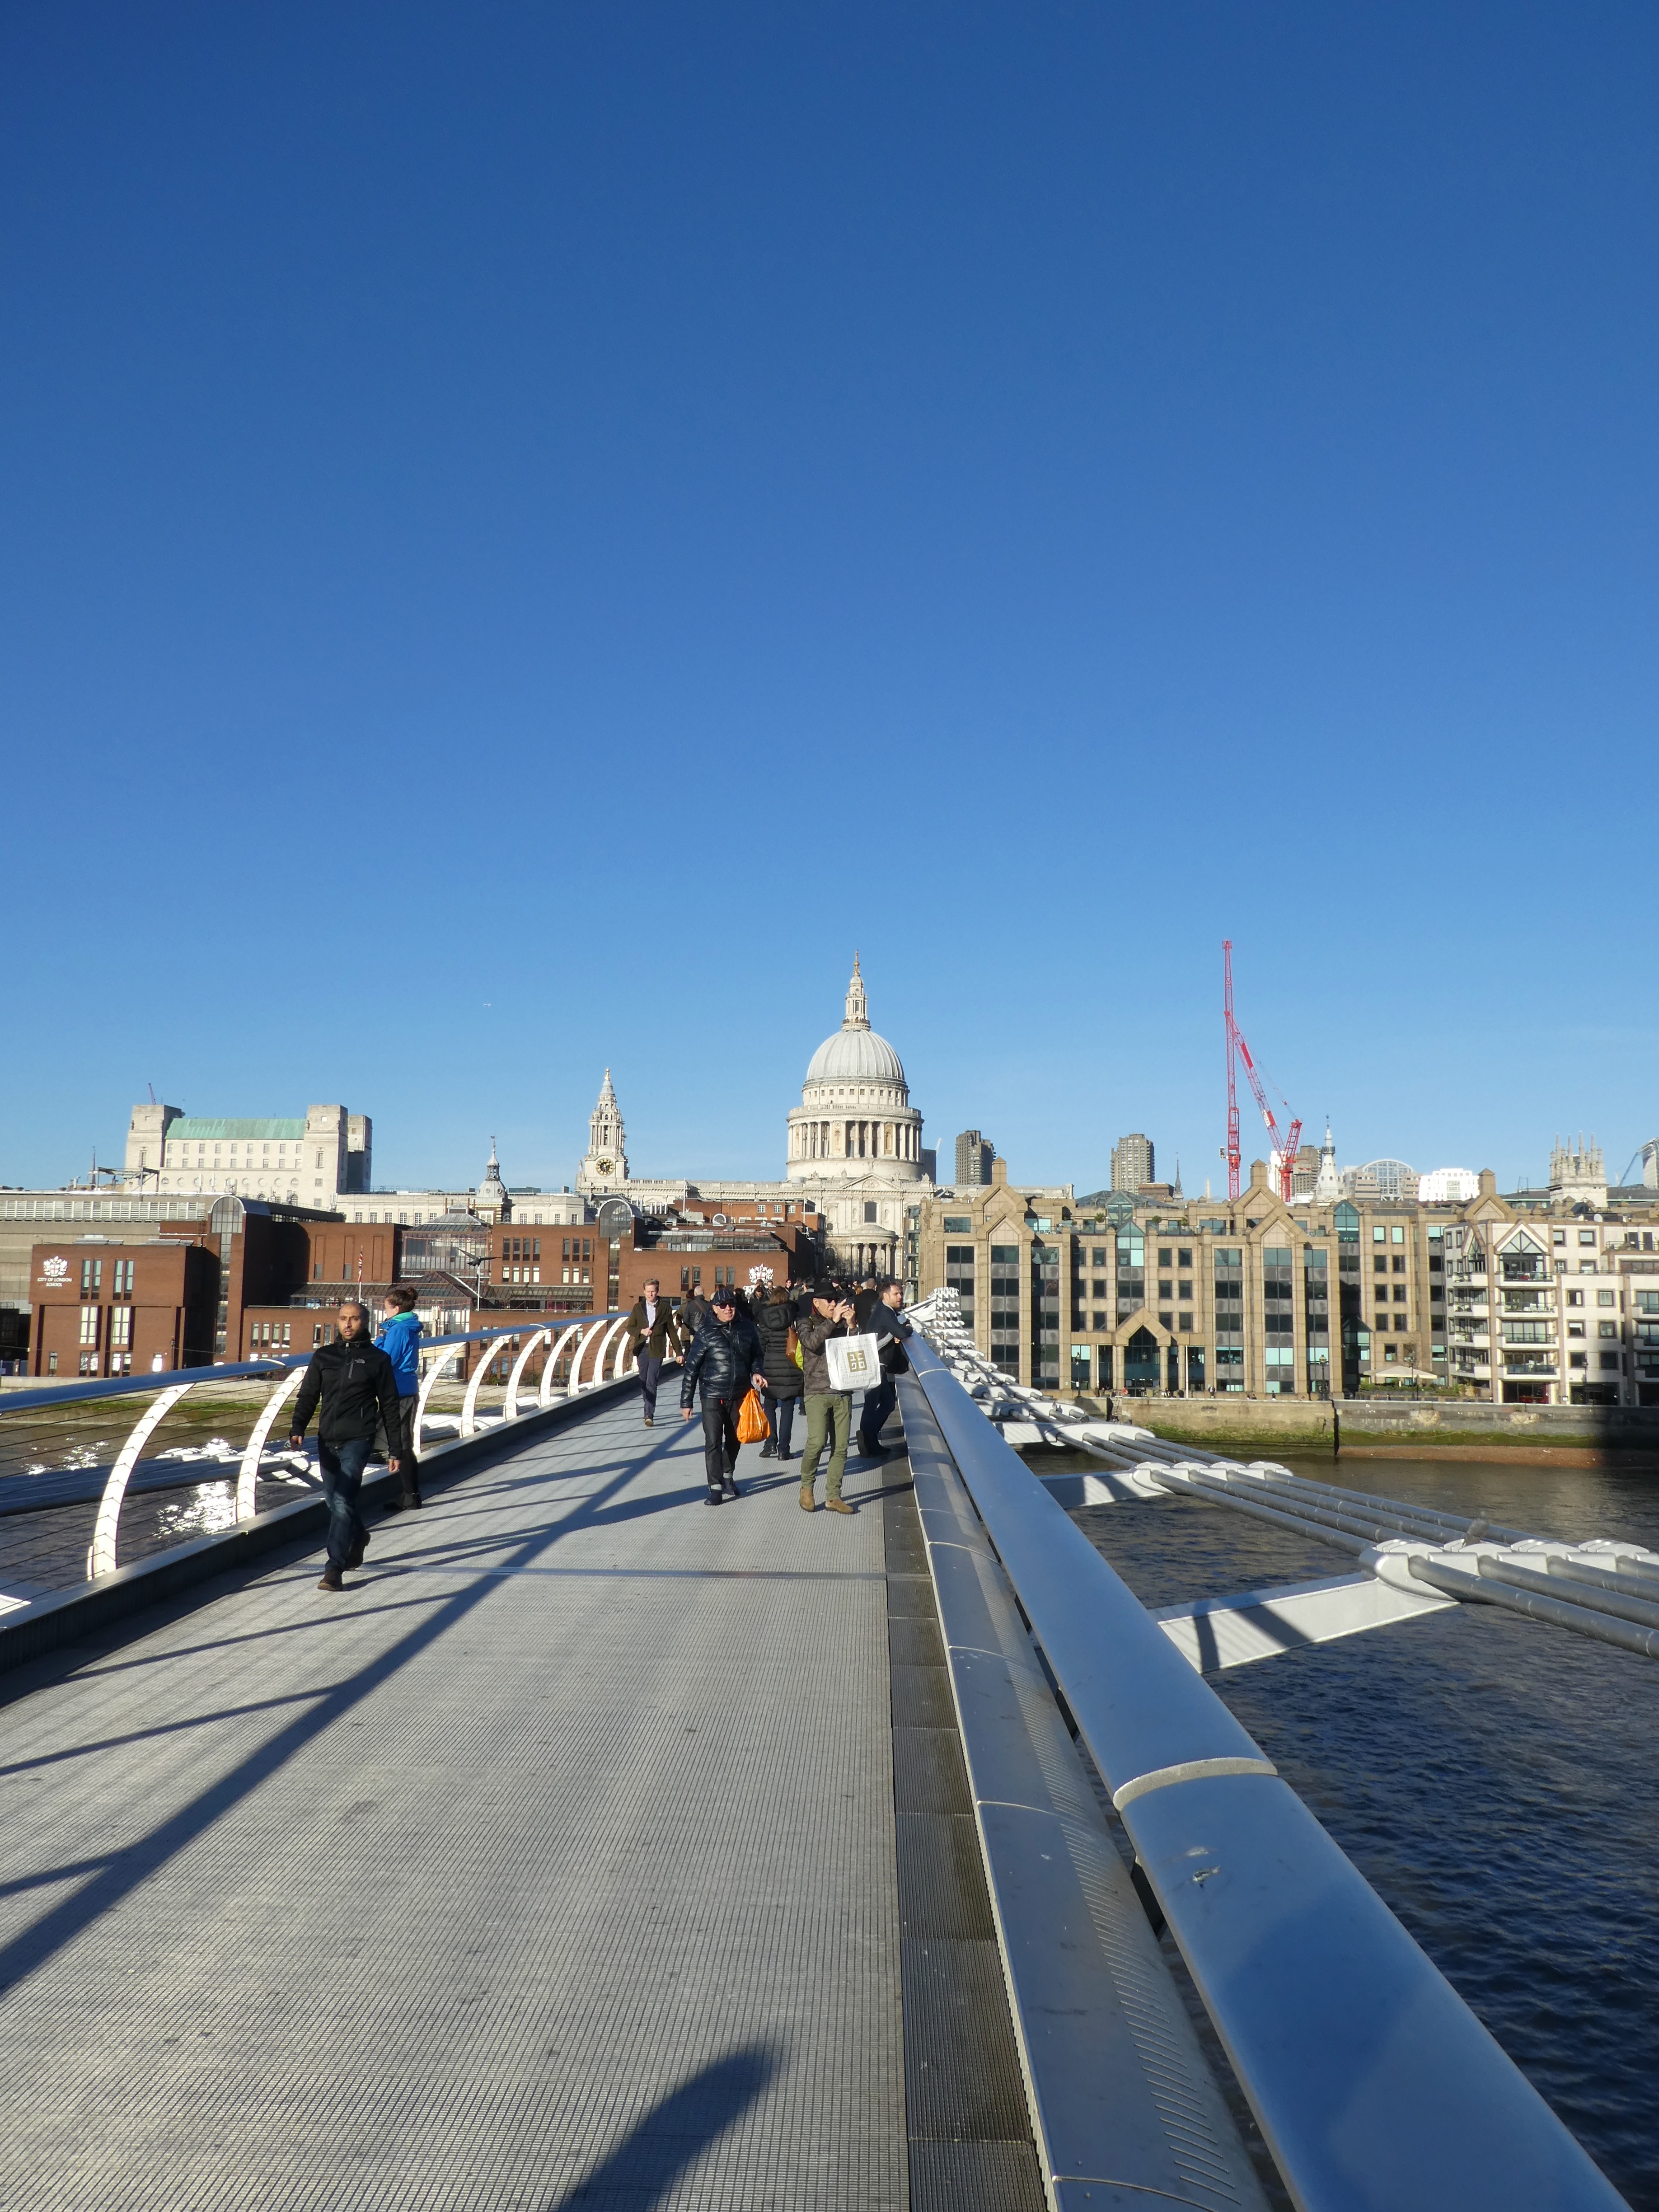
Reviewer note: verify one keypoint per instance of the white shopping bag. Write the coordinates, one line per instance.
(855, 1363)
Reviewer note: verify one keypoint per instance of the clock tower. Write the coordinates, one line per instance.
(605, 1164)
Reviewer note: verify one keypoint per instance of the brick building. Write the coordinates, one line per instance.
(122, 1309)
(250, 1257)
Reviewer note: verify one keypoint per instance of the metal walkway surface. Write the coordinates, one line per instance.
(552, 1864)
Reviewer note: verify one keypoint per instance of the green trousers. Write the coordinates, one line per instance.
(828, 1414)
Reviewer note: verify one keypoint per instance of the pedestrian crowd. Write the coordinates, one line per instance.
(776, 1347)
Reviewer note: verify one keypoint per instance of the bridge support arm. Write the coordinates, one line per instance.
(1214, 1633)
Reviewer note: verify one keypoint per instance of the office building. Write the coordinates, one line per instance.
(1131, 1164)
(973, 1157)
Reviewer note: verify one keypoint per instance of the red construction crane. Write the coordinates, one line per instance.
(1236, 1050)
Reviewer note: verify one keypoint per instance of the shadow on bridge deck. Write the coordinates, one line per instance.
(552, 1864)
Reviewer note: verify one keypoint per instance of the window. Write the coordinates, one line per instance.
(1097, 1257)
(89, 1324)
(1396, 1236)
(1575, 1298)
(120, 1328)
(1379, 1235)
(870, 1209)
(1380, 1264)
(1604, 1298)
(1399, 1267)
(1164, 1255)
(959, 1224)
(1607, 1329)
(52, 1362)
(1586, 1237)
(1184, 1259)
(92, 1277)
(124, 1278)
(1400, 1294)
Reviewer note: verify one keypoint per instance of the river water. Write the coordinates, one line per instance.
(1496, 1780)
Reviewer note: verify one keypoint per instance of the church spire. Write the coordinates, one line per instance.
(858, 1004)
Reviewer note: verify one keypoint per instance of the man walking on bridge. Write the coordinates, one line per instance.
(725, 1359)
(652, 1336)
(355, 1381)
(890, 1329)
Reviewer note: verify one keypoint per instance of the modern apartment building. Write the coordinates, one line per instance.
(1131, 1164)
(1550, 1304)
(1520, 1298)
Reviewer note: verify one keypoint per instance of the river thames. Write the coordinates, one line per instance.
(1493, 1778)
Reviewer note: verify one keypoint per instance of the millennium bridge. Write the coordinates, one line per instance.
(594, 1847)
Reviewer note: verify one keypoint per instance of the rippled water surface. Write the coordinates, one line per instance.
(1497, 1780)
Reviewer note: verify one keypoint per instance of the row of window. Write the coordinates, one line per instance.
(178, 1155)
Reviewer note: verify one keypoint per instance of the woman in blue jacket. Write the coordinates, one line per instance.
(400, 1341)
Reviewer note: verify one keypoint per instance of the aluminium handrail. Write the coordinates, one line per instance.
(130, 1386)
(1374, 2084)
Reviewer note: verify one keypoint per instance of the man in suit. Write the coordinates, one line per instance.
(653, 1337)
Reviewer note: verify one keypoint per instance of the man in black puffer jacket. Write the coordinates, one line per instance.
(358, 1383)
(725, 1359)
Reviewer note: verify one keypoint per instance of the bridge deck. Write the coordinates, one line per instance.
(551, 1863)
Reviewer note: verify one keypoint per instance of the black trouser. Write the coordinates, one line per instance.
(650, 1377)
(781, 1413)
(877, 1405)
(720, 1437)
(408, 1467)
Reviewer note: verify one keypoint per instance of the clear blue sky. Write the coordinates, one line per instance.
(527, 532)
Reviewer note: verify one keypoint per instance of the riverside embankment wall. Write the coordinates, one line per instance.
(1574, 1434)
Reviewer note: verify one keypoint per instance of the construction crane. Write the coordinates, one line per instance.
(1236, 1050)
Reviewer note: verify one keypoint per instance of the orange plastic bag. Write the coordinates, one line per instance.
(753, 1427)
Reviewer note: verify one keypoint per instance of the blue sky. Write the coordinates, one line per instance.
(526, 533)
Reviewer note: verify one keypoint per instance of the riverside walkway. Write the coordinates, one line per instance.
(551, 1863)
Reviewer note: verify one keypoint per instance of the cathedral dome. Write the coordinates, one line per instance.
(855, 1053)
(856, 1056)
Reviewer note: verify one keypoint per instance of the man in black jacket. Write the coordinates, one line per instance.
(890, 1329)
(357, 1384)
(725, 1359)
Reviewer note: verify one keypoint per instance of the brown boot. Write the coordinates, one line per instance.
(808, 1503)
(836, 1505)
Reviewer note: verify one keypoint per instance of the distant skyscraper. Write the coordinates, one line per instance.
(1131, 1162)
(973, 1157)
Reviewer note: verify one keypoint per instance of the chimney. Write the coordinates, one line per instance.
(999, 1170)
(1488, 1183)
(1258, 1174)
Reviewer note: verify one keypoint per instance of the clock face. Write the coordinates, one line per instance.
(606, 1167)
